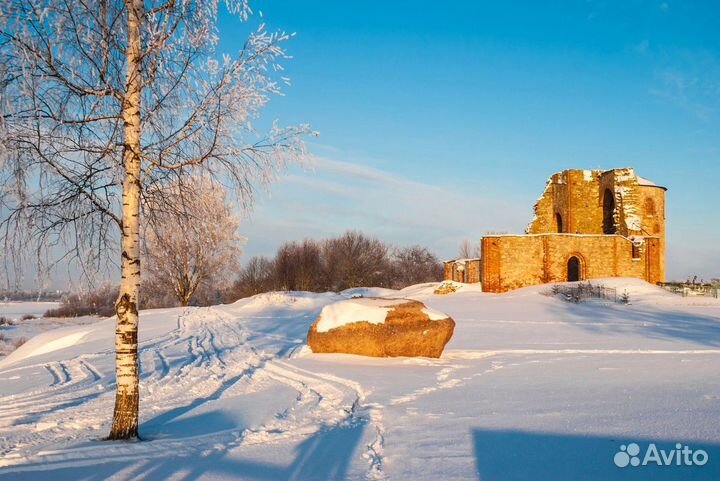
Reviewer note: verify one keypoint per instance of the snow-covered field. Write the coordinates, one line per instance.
(14, 310)
(529, 388)
(20, 330)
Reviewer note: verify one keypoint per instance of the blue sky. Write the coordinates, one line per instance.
(441, 121)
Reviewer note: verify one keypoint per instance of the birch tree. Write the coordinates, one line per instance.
(104, 100)
(194, 242)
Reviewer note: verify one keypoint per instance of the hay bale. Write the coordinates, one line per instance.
(381, 328)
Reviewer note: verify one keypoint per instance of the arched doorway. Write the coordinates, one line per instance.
(559, 223)
(574, 269)
(608, 212)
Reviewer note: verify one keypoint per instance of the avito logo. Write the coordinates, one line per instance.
(629, 455)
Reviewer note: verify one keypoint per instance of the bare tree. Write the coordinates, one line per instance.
(257, 276)
(105, 100)
(355, 260)
(351, 260)
(467, 251)
(196, 242)
(414, 265)
(298, 266)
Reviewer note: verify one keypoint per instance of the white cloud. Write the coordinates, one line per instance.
(338, 195)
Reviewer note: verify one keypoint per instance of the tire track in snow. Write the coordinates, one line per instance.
(445, 380)
(82, 404)
(344, 403)
(197, 363)
(71, 385)
(318, 400)
(57, 379)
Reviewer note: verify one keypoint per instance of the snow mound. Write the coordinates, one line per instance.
(640, 291)
(299, 300)
(369, 310)
(421, 289)
(445, 287)
(48, 342)
(369, 292)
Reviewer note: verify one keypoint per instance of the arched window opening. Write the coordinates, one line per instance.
(559, 223)
(608, 212)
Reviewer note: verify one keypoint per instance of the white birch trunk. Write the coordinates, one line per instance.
(125, 417)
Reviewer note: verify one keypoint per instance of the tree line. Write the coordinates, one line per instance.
(350, 260)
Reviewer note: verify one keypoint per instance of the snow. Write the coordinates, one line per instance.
(644, 181)
(14, 310)
(50, 342)
(434, 314)
(529, 387)
(588, 176)
(368, 292)
(341, 313)
(29, 328)
(419, 291)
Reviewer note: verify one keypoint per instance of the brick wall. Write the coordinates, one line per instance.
(510, 262)
(575, 196)
(462, 270)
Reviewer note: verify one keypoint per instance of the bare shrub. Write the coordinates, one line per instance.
(19, 342)
(257, 276)
(4, 321)
(28, 317)
(298, 266)
(155, 294)
(100, 302)
(414, 265)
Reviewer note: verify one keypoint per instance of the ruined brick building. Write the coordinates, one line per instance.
(587, 224)
(463, 270)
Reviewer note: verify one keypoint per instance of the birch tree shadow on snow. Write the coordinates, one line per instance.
(325, 455)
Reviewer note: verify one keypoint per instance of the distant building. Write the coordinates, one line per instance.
(463, 270)
(587, 224)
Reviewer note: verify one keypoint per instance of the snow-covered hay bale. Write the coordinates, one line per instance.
(381, 328)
